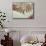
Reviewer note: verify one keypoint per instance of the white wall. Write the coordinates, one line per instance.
(26, 25)
(39, 14)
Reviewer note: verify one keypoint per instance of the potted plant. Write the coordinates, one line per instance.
(2, 18)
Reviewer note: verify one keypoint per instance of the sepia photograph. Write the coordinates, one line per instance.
(22, 10)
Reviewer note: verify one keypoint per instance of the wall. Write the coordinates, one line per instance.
(39, 14)
(25, 25)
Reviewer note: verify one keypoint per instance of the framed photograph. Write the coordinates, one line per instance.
(24, 10)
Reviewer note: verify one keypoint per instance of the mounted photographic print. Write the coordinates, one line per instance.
(23, 10)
